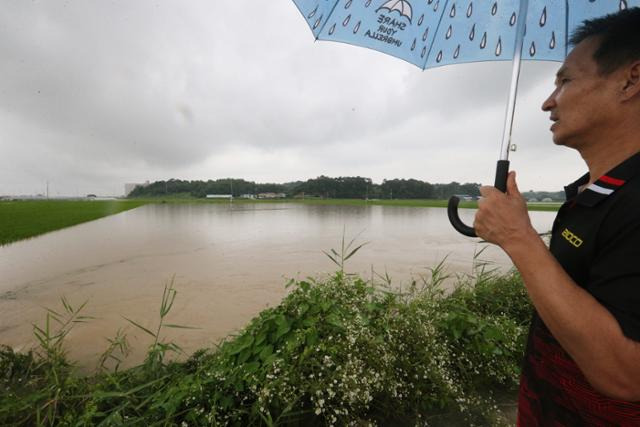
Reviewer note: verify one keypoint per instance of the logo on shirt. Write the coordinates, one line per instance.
(571, 238)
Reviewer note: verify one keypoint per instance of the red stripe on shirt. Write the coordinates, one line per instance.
(612, 181)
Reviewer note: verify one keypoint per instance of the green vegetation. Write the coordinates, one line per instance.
(336, 351)
(323, 186)
(333, 191)
(549, 207)
(344, 187)
(24, 219)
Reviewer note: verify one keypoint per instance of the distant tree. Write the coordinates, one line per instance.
(344, 187)
(270, 188)
(471, 189)
(406, 189)
(339, 188)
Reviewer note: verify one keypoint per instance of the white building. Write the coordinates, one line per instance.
(271, 195)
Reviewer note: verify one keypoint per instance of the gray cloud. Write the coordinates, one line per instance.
(94, 94)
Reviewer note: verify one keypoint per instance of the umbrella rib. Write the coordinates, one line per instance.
(566, 28)
(515, 76)
(327, 20)
(435, 33)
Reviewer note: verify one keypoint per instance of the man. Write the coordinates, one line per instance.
(582, 364)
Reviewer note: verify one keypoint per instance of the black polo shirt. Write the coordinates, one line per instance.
(596, 239)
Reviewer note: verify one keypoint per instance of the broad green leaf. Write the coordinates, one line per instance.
(281, 320)
(303, 308)
(241, 343)
(251, 367)
(266, 352)
(244, 355)
(269, 360)
(282, 330)
(311, 338)
(260, 338)
(334, 320)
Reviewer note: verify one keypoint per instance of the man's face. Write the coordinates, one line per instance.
(582, 104)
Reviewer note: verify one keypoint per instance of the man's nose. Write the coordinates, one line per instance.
(549, 103)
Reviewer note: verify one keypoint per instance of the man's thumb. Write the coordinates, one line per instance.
(512, 187)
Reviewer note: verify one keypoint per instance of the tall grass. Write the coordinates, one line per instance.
(338, 350)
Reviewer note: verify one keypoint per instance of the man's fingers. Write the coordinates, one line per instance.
(485, 190)
(512, 187)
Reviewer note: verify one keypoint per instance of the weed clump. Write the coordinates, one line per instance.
(337, 351)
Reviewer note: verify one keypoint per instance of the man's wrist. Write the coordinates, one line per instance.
(522, 244)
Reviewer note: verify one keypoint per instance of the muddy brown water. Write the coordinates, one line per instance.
(228, 263)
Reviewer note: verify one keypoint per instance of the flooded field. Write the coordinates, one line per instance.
(228, 263)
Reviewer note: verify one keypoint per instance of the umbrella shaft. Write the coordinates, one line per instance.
(515, 75)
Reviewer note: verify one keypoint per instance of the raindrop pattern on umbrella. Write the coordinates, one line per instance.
(432, 33)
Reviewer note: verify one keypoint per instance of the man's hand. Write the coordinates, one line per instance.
(502, 218)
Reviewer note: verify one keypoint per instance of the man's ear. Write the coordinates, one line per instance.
(631, 86)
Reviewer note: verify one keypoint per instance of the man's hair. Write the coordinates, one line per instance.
(619, 35)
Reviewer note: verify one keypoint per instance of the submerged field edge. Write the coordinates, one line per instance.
(21, 220)
(426, 203)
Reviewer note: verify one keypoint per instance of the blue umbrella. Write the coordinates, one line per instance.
(433, 33)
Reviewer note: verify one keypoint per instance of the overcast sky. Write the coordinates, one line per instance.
(94, 94)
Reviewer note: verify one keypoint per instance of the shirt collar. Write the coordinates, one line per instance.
(604, 186)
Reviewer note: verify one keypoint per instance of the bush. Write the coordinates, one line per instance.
(339, 351)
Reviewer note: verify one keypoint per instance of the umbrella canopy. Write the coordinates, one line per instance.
(433, 33)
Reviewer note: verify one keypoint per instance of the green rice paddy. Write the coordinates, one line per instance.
(23, 219)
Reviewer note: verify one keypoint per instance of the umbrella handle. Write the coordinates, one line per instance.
(454, 219)
(502, 170)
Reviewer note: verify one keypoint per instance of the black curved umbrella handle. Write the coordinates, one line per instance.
(502, 170)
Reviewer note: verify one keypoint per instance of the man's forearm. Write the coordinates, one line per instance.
(584, 328)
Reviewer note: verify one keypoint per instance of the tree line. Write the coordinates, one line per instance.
(321, 187)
